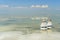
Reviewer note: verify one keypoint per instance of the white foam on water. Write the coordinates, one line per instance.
(33, 36)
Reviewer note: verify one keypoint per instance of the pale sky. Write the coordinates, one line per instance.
(29, 7)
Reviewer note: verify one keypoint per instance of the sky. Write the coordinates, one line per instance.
(29, 7)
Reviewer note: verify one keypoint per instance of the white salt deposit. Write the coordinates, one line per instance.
(33, 36)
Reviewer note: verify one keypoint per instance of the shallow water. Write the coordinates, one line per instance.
(17, 28)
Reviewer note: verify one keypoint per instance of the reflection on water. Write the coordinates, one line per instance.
(17, 24)
(22, 24)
